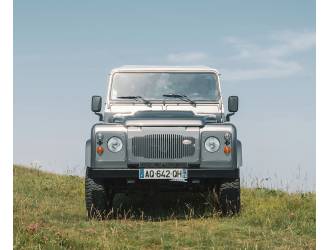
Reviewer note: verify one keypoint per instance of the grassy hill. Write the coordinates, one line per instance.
(49, 213)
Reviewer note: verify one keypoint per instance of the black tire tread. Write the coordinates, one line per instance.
(95, 198)
(229, 197)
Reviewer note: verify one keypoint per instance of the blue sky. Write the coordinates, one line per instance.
(265, 50)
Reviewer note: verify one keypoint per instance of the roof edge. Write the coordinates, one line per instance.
(152, 68)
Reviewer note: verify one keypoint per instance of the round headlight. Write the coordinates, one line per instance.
(212, 144)
(115, 144)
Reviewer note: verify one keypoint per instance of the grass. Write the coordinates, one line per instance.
(49, 213)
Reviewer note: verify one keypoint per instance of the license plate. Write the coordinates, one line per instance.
(163, 173)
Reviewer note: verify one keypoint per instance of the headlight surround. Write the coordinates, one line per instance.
(212, 144)
(115, 144)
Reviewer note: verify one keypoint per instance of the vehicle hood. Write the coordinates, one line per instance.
(166, 119)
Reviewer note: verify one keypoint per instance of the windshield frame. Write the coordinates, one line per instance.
(165, 100)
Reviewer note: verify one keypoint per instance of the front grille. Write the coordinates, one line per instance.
(163, 146)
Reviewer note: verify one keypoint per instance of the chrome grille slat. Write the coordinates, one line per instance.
(162, 146)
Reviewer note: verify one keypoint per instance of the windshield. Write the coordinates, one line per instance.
(152, 86)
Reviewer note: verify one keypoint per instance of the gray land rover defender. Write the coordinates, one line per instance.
(163, 128)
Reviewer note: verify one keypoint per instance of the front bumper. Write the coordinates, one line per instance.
(192, 173)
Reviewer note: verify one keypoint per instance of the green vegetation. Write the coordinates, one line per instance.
(49, 213)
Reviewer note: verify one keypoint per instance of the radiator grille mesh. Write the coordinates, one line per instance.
(163, 146)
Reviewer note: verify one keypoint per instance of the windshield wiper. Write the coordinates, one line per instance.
(135, 97)
(182, 97)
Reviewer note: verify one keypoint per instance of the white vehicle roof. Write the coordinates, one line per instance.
(147, 68)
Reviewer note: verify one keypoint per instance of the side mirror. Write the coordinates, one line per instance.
(233, 104)
(97, 105)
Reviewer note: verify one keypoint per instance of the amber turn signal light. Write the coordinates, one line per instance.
(227, 150)
(99, 150)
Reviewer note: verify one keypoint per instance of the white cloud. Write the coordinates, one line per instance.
(189, 57)
(273, 60)
(281, 69)
(275, 55)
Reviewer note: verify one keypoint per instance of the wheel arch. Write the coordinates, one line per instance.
(88, 153)
(239, 153)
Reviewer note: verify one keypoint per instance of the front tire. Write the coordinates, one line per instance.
(229, 197)
(97, 198)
